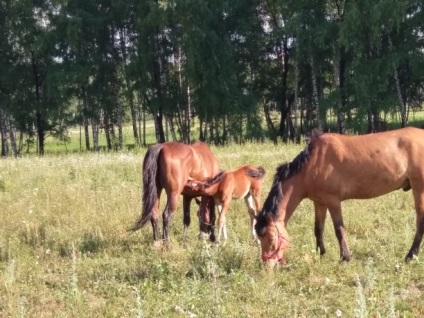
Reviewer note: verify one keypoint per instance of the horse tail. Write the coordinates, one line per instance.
(202, 185)
(150, 187)
(257, 173)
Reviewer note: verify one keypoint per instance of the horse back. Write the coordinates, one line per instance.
(240, 181)
(204, 163)
(365, 166)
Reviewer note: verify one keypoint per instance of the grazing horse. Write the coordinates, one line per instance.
(243, 182)
(333, 168)
(168, 166)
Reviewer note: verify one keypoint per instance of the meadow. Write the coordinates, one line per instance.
(65, 251)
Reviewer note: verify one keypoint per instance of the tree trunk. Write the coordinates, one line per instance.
(157, 85)
(107, 129)
(172, 129)
(40, 133)
(95, 129)
(284, 109)
(401, 99)
(143, 111)
(119, 123)
(129, 92)
(39, 117)
(188, 116)
(3, 132)
(315, 101)
(21, 142)
(12, 137)
(339, 74)
(269, 123)
(86, 133)
(201, 134)
(160, 134)
(296, 134)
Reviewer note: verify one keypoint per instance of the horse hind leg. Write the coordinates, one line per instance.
(418, 191)
(155, 216)
(171, 207)
(320, 216)
(336, 215)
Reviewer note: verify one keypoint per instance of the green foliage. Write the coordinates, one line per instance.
(225, 64)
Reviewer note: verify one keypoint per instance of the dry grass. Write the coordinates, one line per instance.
(64, 250)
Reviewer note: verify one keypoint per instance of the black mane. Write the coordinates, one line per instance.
(284, 172)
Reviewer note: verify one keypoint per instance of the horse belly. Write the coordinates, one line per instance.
(372, 189)
(359, 181)
(371, 184)
(241, 194)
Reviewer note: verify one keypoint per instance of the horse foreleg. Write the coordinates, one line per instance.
(252, 205)
(320, 215)
(171, 207)
(419, 208)
(187, 219)
(336, 215)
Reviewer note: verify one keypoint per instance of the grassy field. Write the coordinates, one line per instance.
(65, 252)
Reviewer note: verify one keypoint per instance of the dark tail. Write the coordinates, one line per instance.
(150, 187)
(259, 173)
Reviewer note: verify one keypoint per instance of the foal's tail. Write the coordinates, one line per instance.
(150, 187)
(257, 173)
(203, 185)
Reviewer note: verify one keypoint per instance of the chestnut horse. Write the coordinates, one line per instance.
(168, 166)
(243, 182)
(334, 168)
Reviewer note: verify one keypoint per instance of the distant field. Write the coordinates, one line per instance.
(64, 250)
(77, 141)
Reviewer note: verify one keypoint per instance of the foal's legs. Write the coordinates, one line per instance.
(336, 215)
(320, 215)
(222, 226)
(252, 209)
(418, 191)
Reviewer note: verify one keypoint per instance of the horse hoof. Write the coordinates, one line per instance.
(410, 258)
(212, 237)
(345, 259)
(203, 236)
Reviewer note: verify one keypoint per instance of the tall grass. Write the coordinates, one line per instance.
(64, 249)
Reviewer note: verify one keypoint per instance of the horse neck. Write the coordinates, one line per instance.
(292, 196)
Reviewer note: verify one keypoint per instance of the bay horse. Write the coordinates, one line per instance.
(168, 166)
(243, 182)
(333, 168)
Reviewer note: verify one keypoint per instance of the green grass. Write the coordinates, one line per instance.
(65, 252)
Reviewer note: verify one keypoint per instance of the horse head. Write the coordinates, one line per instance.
(273, 238)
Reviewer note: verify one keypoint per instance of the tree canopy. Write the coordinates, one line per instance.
(215, 70)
